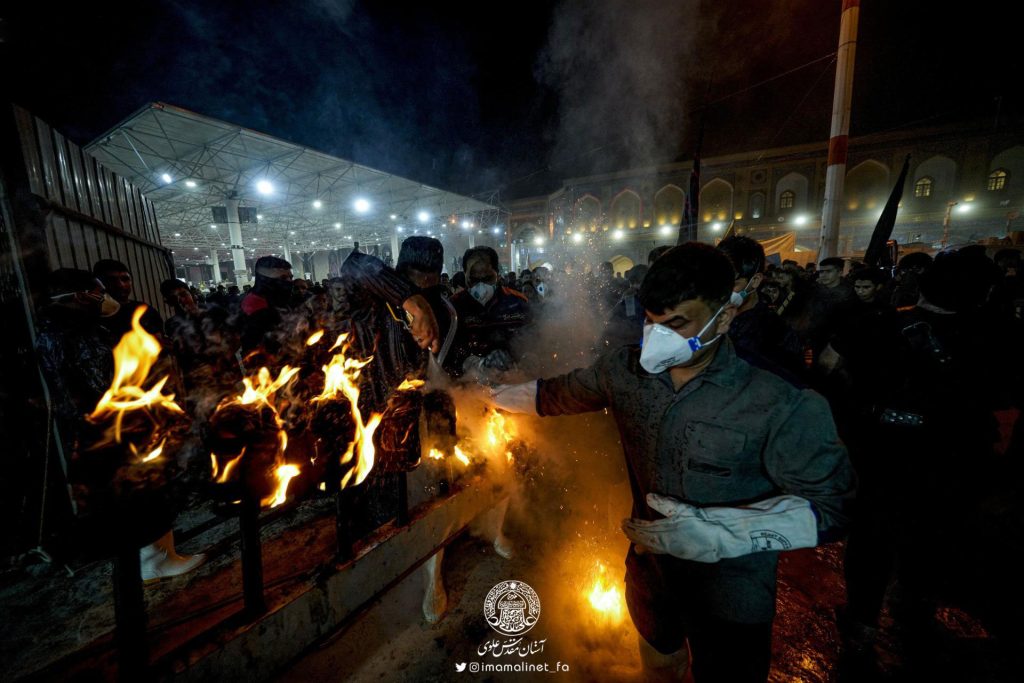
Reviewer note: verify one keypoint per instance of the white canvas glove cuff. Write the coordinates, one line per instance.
(713, 533)
(515, 398)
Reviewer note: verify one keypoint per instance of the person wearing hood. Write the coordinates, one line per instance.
(489, 316)
(394, 313)
(262, 307)
(729, 464)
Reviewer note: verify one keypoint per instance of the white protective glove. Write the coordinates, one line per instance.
(714, 533)
(515, 398)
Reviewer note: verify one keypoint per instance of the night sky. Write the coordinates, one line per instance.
(511, 98)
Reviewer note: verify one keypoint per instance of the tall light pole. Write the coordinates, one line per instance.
(839, 139)
(947, 221)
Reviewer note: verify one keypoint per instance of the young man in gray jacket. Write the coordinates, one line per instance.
(728, 465)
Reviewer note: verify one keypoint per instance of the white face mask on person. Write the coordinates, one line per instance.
(109, 306)
(482, 292)
(737, 298)
(664, 348)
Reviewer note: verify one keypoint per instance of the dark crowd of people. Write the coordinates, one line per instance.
(739, 387)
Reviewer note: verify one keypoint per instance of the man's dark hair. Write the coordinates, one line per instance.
(918, 259)
(834, 262)
(420, 253)
(747, 255)
(476, 252)
(108, 265)
(458, 280)
(171, 285)
(656, 253)
(271, 263)
(689, 271)
(636, 274)
(875, 275)
(67, 280)
(959, 281)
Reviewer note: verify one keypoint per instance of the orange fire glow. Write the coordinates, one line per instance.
(341, 376)
(500, 434)
(314, 338)
(460, 455)
(605, 598)
(410, 384)
(134, 356)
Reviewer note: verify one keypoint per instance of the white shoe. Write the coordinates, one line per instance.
(435, 597)
(504, 547)
(160, 561)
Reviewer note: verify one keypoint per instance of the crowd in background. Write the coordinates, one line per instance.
(920, 363)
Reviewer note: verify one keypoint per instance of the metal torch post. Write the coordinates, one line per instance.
(252, 555)
(129, 616)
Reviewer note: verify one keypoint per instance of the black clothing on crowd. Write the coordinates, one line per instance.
(204, 346)
(120, 323)
(76, 353)
(486, 328)
(764, 340)
(374, 294)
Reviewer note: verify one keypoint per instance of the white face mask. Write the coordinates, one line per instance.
(737, 298)
(482, 292)
(664, 348)
(109, 306)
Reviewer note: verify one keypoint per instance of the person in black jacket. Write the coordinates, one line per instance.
(489, 316)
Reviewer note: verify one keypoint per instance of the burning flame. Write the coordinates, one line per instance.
(315, 337)
(284, 475)
(410, 384)
(341, 376)
(460, 455)
(222, 477)
(264, 388)
(134, 356)
(500, 434)
(261, 392)
(605, 598)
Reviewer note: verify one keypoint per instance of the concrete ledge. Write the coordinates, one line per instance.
(302, 614)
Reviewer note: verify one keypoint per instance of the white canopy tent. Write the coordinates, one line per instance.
(217, 186)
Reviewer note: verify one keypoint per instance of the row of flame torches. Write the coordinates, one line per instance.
(151, 412)
(137, 419)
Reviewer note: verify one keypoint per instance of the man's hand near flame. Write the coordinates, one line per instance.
(714, 533)
(422, 323)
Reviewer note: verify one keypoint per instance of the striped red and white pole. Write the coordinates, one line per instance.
(837, 144)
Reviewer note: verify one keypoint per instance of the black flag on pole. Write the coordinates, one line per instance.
(691, 207)
(886, 222)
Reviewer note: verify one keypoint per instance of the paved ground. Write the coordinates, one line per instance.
(563, 522)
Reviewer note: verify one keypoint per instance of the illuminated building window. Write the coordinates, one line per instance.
(787, 199)
(923, 187)
(997, 179)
